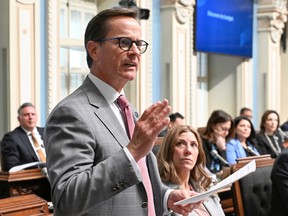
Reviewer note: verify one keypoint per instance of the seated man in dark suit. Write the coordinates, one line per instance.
(24, 144)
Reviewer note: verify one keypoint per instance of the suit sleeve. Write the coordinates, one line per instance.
(86, 165)
(10, 153)
(281, 178)
(262, 147)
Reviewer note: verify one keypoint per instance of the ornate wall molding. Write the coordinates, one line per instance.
(271, 17)
(183, 15)
(184, 11)
(178, 61)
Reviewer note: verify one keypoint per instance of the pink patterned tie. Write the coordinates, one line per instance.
(126, 110)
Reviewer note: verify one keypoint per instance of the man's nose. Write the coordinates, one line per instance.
(135, 49)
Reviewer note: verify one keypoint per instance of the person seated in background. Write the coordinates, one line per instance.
(175, 119)
(182, 164)
(217, 133)
(17, 146)
(284, 130)
(279, 191)
(284, 126)
(284, 133)
(268, 138)
(243, 144)
(247, 112)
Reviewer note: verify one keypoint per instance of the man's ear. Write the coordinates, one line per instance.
(92, 48)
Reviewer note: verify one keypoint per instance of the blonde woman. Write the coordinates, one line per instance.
(182, 164)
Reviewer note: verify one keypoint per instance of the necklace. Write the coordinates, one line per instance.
(277, 150)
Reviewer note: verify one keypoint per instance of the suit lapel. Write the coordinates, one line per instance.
(104, 113)
(26, 142)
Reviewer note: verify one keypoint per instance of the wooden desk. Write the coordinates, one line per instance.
(24, 182)
(24, 206)
(226, 200)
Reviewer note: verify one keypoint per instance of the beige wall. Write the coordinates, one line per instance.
(222, 84)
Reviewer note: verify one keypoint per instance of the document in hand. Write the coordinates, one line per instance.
(247, 169)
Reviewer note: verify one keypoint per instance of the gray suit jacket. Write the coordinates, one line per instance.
(89, 171)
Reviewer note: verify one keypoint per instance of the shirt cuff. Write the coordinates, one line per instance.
(165, 202)
(134, 163)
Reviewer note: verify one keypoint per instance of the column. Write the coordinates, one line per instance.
(271, 15)
(178, 63)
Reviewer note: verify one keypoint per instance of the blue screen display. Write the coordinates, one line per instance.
(224, 27)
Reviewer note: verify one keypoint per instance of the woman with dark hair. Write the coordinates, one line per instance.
(182, 164)
(243, 144)
(218, 131)
(268, 139)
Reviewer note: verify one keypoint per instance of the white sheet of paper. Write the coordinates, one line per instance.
(37, 164)
(247, 169)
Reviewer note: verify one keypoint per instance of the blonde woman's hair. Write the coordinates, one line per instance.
(167, 170)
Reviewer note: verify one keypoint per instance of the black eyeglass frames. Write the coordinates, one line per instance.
(126, 43)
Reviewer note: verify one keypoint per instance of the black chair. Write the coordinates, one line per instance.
(252, 194)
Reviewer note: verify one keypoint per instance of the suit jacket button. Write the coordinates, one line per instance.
(113, 189)
(122, 185)
(144, 205)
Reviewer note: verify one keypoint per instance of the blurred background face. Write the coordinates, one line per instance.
(178, 121)
(28, 118)
(222, 129)
(185, 152)
(271, 123)
(248, 114)
(243, 129)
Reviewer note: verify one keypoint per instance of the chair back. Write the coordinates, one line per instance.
(252, 194)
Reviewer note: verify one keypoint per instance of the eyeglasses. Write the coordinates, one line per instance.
(126, 43)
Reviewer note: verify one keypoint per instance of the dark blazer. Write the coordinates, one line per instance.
(264, 146)
(279, 177)
(89, 171)
(16, 148)
(284, 126)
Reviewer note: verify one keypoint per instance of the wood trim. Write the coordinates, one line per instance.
(262, 160)
(24, 206)
(22, 175)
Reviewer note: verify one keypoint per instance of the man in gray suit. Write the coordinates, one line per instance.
(91, 161)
